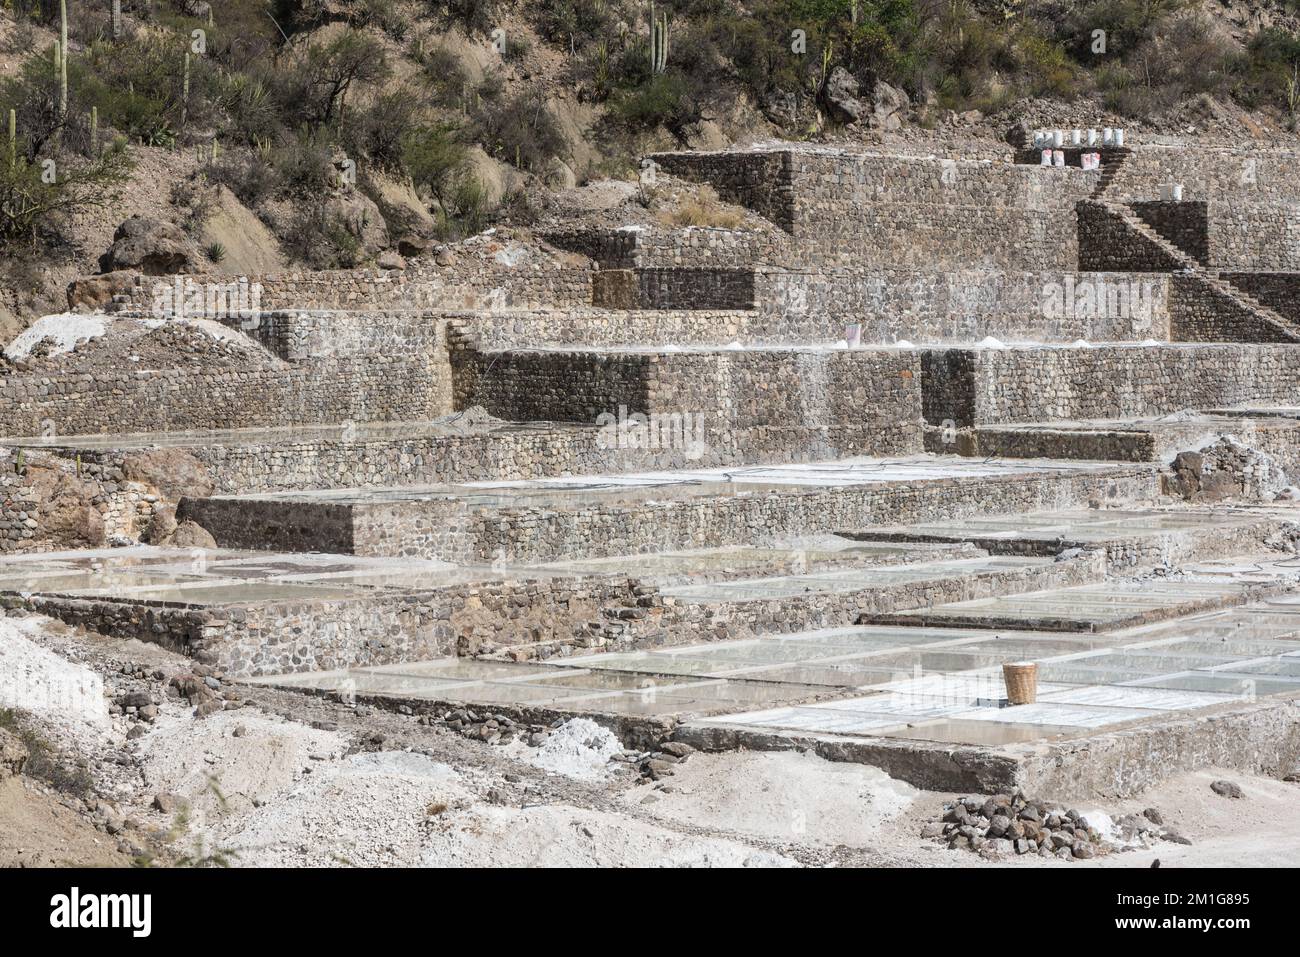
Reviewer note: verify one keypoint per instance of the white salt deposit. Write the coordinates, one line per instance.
(64, 331)
(989, 342)
(579, 748)
(217, 330)
(44, 683)
(511, 256)
(904, 344)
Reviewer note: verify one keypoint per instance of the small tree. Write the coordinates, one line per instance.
(331, 69)
(35, 193)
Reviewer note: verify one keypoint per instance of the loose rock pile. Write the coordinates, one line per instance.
(491, 727)
(1007, 824)
(135, 694)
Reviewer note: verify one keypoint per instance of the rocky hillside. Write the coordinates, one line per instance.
(256, 134)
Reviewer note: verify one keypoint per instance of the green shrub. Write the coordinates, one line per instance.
(378, 131)
(444, 77)
(521, 131)
(1272, 72)
(32, 204)
(660, 101)
(436, 159)
(576, 24)
(319, 238)
(248, 175)
(472, 16)
(303, 164)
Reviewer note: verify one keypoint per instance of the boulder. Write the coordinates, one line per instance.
(66, 513)
(889, 105)
(173, 472)
(839, 95)
(95, 293)
(170, 803)
(163, 526)
(153, 247)
(1227, 789)
(391, 261)
(359, 215)
(190, 534)
(559, 175)
(884, 109)
(411, 246)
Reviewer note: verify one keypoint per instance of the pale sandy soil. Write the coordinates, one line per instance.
(265, 787)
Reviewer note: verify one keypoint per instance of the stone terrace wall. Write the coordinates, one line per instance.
(664, 247)
(936, 213)
(525, 329)
(963, 306)
(752, 401)
(1252, 194)
(1185, 224)
(1044, 384)
(327, 391)
(544, 533)
(1201, 312)
(511, 278)
(303, 335)
(1280, 291)
(1256, 235)
(674, 288)
(1209, 173)
(584, 528)
(1107, 243)
(849, 209)
(761, 181)
(513, 453)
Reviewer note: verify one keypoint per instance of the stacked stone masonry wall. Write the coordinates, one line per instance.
(1044, 385)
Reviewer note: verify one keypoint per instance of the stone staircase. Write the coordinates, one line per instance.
(1110, 170)
(1245, 317)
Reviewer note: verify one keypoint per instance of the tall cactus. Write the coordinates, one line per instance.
(13, 138)
(658, 42)
(63, 61)
(185, 90)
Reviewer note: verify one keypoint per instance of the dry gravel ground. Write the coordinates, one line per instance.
(285, 779)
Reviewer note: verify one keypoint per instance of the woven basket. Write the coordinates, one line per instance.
(1021, 678)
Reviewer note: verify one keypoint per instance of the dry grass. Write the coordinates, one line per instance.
(703, 209)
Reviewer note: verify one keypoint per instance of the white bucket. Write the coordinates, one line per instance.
(1119, 137)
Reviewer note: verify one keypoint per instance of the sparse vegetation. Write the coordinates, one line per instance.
(44, 760)
(388, 84)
